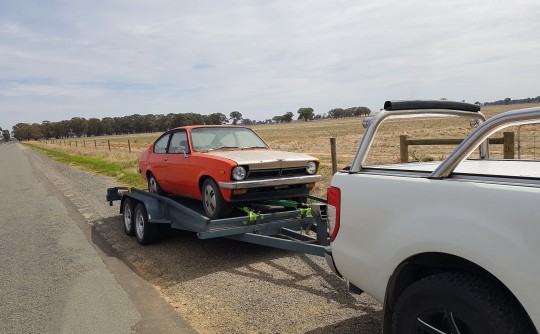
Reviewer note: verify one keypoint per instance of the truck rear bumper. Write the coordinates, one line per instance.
(330, 260)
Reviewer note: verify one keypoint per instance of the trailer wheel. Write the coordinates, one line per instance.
(145, 232)
(214, 204)
(154, 187)
(457, 302)
(129, 226)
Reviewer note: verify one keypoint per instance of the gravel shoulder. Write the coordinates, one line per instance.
(222, 285)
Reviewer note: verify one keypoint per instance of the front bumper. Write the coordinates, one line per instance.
(284, 181)
(330, 260)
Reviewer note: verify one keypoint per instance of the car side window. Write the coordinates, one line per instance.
(160, 146)
(179, 139)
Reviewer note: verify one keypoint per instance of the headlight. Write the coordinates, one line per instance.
(239, 173)
(311, 167)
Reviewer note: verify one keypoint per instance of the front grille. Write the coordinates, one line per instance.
(263, 174)
(272, 173)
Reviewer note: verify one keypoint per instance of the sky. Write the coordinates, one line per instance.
(108, 58)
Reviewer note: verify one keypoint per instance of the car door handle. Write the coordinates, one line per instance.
(165, 159)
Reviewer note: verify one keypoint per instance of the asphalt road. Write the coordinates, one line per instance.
(54, 274)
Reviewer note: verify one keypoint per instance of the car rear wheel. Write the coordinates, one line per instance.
(154, 187)
(145, 231)
(457, 302)
(214, 204)
(129, 226)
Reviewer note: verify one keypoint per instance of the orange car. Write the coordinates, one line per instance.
(225, 166)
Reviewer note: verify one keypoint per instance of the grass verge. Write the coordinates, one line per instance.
(97, 165)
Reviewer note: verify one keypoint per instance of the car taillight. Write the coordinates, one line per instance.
(333, 197)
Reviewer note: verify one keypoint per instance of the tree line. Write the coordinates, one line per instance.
(508, 100)
(4, 135)
(82, 127)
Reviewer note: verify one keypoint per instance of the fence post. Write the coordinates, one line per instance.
(84, 143)
(129, 146)
(508, 145)
(403, 149)
(70, 143)
(95, 143)
(334, 154)
(76, 143)
(109, 143)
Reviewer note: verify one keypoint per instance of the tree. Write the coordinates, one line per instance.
(306, 114)
(362, 111)
(107, 125)
(94, 127)
(335, 113)
(23, 131)
(235, 117)
(287, 118)
(5, 135)
(79, 126)
(277, 119)
(216, 118)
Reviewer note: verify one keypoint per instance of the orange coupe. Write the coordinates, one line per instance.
(225, 166)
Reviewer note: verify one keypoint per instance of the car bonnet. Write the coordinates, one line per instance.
(265, 159)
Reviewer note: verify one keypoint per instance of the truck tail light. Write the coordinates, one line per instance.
(333, 197)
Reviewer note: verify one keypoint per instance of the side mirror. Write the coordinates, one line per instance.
(183, 150)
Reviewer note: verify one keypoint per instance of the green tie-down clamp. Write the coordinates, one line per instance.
(257, 216)
(253, 216)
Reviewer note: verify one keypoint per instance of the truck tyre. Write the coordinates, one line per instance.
(154, 187)
(129, 221)
(214, 204)
(456, 302)
(145, 232)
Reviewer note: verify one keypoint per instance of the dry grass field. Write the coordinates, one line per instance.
(314, 138)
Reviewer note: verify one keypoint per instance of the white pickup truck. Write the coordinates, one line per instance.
(449, 246)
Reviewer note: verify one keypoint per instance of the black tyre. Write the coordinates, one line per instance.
(214, 204)
(129, 217)
(154, 187)
(457, 302)
(145, 232)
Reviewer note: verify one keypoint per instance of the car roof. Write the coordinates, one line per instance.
(189, 127)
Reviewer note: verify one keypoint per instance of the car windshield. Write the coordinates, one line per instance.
(215, 138)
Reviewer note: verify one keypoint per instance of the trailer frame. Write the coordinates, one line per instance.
(289, 229)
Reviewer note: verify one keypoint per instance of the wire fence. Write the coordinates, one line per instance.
(528, 141)
(116, 145)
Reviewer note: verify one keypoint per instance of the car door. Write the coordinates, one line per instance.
(178, 163)
(157, 161)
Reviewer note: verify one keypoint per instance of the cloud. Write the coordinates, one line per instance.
(263, 58)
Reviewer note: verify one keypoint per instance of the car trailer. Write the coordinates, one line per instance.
(300, 228)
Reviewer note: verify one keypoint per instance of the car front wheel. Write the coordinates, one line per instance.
(214, 204)
(457, 302)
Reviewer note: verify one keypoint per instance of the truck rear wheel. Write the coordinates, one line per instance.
(129, 226)
(456, 302)
(145, 232)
